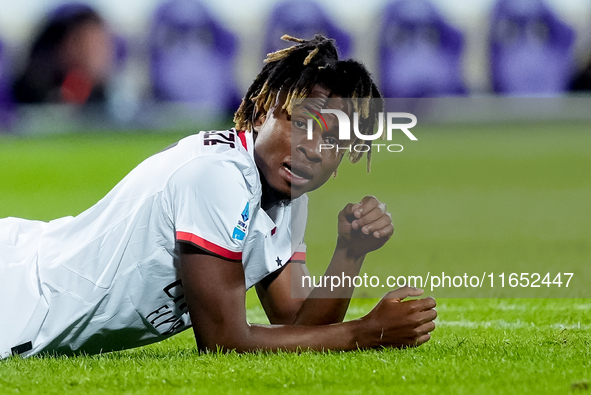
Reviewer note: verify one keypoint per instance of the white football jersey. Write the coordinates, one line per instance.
(108, 278)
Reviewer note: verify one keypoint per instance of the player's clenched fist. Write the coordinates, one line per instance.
(397, 323)
(365, 226)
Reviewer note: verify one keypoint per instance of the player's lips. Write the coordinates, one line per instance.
(296, 175)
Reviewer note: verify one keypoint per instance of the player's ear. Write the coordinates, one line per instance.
(258, 121)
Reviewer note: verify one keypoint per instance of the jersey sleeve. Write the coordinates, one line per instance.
(299, 255)
(299, 218)
(208, 201)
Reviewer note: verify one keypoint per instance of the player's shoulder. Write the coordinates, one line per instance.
(216, 158)
(214, 142)
(229, 146)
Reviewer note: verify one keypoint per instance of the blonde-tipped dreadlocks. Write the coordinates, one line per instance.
(297, 69)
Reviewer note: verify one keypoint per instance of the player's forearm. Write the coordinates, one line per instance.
(391, 323)
(328, 304)
(341, 336)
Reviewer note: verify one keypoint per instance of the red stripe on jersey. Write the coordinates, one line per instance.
(208, 246)
(242, 136)
(298, 256)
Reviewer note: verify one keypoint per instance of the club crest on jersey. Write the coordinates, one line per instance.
(240, 229)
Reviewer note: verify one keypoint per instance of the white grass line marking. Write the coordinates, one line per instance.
(508, 325)
(512, 307)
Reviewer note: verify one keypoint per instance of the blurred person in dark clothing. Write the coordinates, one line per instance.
(69, 61)
(582, 81)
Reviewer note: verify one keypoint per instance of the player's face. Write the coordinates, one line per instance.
(291, 163)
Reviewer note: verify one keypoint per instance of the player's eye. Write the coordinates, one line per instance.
(331, 140)
(299, 124)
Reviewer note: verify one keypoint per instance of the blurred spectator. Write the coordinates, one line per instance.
(70, 60)
(420, 53)
(531, 49)
(303, 19)
(192, 57)
(582, 81)
(7, 114)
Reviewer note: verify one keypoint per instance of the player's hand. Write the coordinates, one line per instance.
(397, 323)
(365, 226)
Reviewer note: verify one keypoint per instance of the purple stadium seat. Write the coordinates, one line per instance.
(303, 19)
(420, 53)
(531, 49)
(192, 57)
(68, 10)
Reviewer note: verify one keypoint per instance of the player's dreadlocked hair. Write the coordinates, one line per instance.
(297, 69)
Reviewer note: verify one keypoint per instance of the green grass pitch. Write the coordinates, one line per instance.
(462, 196)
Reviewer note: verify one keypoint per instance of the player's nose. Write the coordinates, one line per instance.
(311, 149)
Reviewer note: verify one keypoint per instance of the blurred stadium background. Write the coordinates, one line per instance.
(181, 61)
(492, 181)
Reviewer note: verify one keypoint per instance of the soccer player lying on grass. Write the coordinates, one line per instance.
(183, 236)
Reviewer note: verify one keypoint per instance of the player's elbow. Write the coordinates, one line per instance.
(283, 317)
(224, 339)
